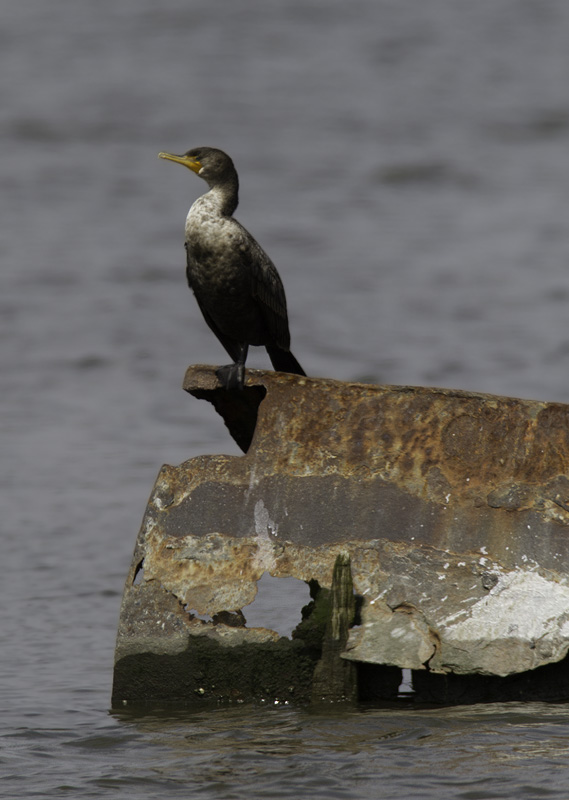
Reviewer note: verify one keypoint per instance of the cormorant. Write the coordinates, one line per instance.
(236, 285)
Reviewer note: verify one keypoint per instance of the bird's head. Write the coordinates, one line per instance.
(213, 165)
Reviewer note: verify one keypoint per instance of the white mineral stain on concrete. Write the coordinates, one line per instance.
(403, 634)
(266, 529)
(263, 522)
(522, 605)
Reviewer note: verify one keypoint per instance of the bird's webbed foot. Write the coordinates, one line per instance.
(232, 376)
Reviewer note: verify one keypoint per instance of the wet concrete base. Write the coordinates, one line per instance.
(283, 672)
(547, 683)
(275, 672)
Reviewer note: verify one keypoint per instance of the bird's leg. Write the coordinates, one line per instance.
(233, 375)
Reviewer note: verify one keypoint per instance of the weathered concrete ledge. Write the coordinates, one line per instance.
(452, 508)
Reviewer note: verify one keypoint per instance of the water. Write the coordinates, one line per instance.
(498, 752)
(405, 165)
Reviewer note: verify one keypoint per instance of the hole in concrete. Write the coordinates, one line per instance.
(278, 604)
(193, 613)
(138, 573)
(406, 686)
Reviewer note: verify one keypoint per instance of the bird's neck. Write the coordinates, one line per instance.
(216, 205)
(223, 197)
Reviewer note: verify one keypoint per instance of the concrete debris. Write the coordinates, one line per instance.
(451, 509)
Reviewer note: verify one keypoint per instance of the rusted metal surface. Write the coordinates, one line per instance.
(453, 508)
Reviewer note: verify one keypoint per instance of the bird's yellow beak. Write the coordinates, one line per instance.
(187, 161)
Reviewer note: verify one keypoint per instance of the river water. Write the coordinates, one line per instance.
(406, 166)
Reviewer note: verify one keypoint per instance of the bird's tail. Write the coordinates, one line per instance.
(284, 361)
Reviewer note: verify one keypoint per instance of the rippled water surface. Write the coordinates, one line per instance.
(405, 164)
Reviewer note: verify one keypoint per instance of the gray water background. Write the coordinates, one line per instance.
(406, 165)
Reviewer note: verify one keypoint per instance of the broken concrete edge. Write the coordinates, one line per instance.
(404, 625)
(218, 664)
(522, 623)
(167, 656)
(223, 664)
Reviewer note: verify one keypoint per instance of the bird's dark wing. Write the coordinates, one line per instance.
(268, 290)
(231, 346)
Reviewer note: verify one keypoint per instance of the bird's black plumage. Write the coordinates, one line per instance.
(236, 285)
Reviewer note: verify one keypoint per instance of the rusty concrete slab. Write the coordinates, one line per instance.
(452, 506)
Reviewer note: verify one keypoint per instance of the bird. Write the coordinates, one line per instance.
(235, 283)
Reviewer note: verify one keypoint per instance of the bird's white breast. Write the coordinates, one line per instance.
(204, 218)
